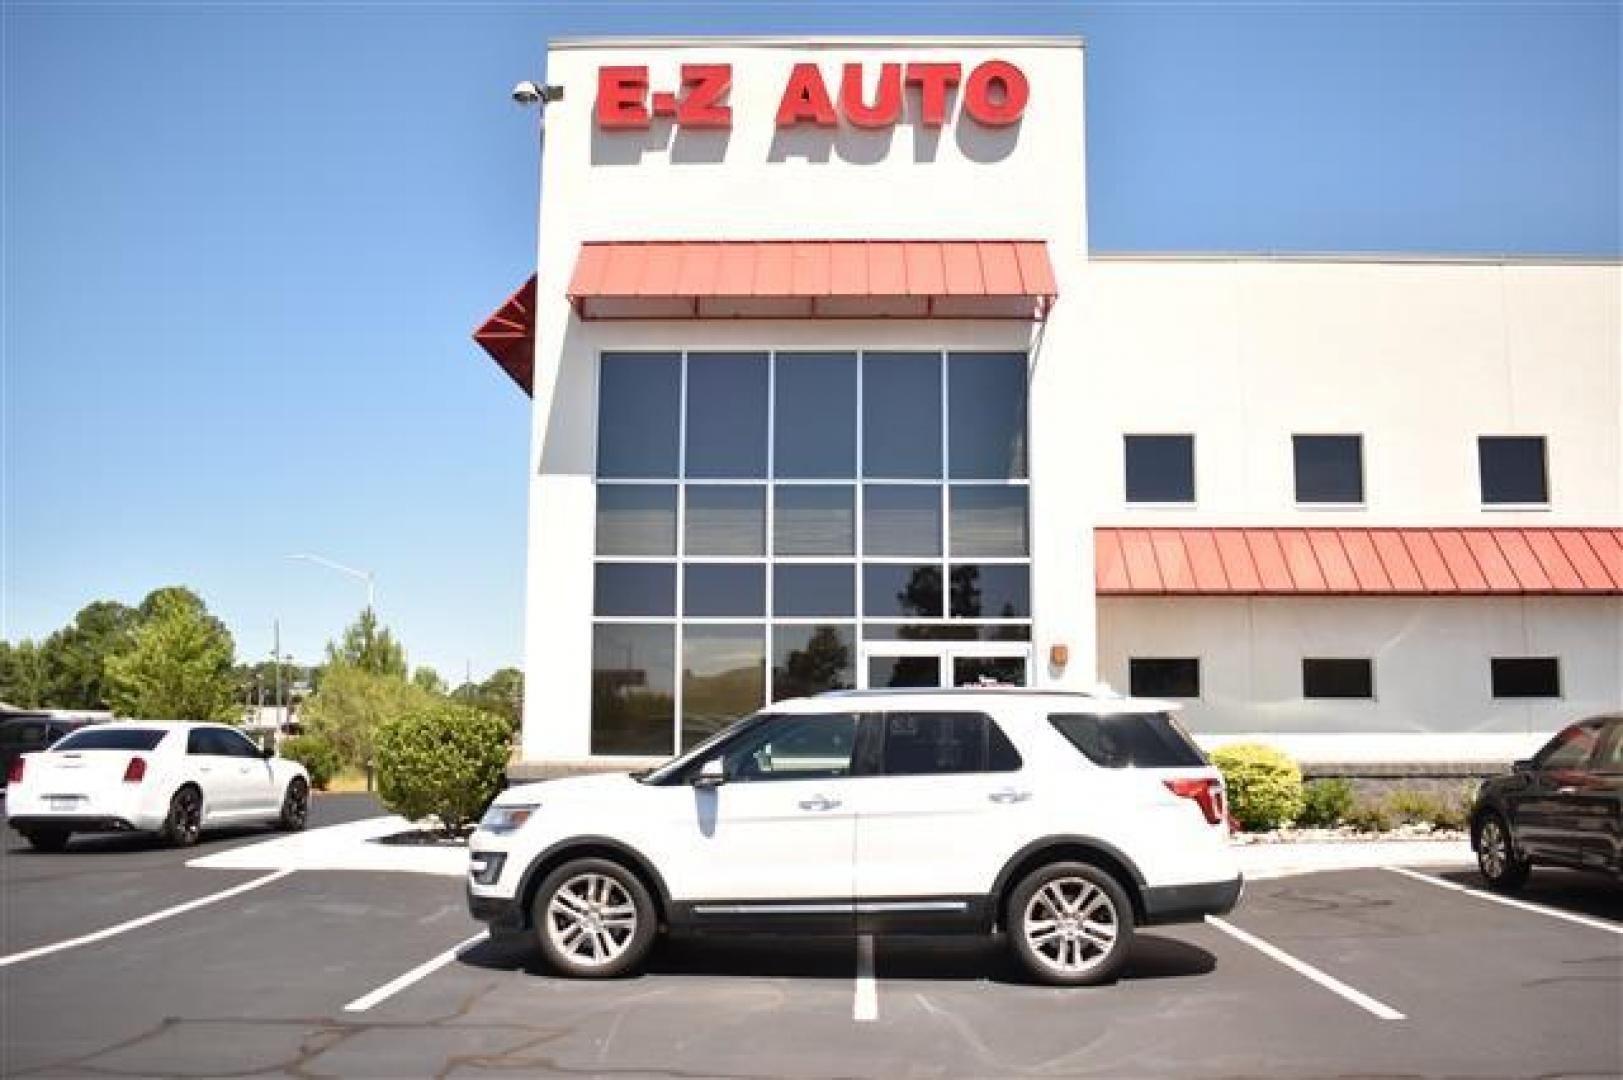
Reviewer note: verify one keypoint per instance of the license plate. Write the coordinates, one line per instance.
(63, 802)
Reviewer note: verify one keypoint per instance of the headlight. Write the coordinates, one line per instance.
(507, 818)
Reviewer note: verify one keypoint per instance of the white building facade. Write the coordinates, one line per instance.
(828, 391)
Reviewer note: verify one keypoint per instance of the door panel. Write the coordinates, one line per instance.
(1545, 812)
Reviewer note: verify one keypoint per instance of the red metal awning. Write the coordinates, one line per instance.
(814, 279)
(1358, 562)
(509, 336)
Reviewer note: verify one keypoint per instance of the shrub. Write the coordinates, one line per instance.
(1326, 803)
(442, 759)
(317, 756)
(1264, 785)
(1369, 817)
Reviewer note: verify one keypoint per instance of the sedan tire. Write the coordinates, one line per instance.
(594, 919)
(184, 823)
(295, 806)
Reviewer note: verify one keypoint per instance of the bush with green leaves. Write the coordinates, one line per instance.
(1369, 817)
(1264, 785)
(317, 756)
(441, 759)
(1447, 811)
(1326, 803)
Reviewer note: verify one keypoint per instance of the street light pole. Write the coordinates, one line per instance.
(364, 575)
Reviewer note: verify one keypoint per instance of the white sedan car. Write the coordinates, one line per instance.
(168, 778)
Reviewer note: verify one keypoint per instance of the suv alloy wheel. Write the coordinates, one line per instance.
(1070, 924)
(594, 918)
(1496, 856)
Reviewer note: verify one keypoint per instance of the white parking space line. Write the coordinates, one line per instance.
(416, 974)
(1308, 971)
(866, 1004)
(145, 920)
(1524, 905)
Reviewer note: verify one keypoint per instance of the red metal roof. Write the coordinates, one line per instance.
(732, 279)
(509, 336)
(1358, 562)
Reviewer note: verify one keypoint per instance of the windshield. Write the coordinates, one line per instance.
(662, 773)
(119, 738)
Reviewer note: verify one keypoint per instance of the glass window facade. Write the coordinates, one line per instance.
(761, 515)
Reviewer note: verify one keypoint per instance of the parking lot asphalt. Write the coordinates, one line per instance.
(349, 974)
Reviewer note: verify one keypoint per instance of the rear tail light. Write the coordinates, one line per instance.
(14, 775)
(1208, 795)
(135, 771)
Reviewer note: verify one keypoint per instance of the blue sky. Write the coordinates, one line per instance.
(244, 246)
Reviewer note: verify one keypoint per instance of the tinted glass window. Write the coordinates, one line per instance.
(22, 734)
(814, 590)
(723, 677)
(235, 744)
(1513, 469)
(953, 631)
(120, 738)
(986, 426)
(1329, 468)
(901, 415)
(996, 591)
(633, 688)
(726, 428)
(1610, 757)
(793, 748)
(727, 520)
(724, 589)
(1338, 678)
(636, 519)
(989, 671)
(988, 522)
(1526, 676)
(1570, 749)
(635, 588)
(814, 520)
(1164, 677)
(928, 743)
(639, 413)
(901, 520)
(1130, 740)
(1160, 468)
(905, 591)
(815, 432)
(891, 672)
(808, 660)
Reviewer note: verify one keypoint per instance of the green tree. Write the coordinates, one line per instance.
(22, 675)
(75, 657)
(178, 663)
(502, 694)
(369, 646)
(426, 678)
(350, 704)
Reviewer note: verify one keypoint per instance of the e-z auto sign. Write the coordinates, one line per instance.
(993, 93)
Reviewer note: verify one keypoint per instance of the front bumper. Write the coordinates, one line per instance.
(1191, 903)
(503, 914)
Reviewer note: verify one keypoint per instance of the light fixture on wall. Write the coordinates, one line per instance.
(1059, 655)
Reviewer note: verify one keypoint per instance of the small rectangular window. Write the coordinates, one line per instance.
(924, 744)
(1338, 678)
(1526, 677)
(1164, 677)
(638, 414)
(1160, 468)
(726, 421)
(635, 589)
(636, 519)
(1513, 469)
(1329, 468)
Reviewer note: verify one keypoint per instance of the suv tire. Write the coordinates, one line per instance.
(1496, 857)
(594, 919)
(1070, 924)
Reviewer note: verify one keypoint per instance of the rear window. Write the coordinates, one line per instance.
(1130, 740)
(112, 739)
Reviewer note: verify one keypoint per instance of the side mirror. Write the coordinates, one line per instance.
(267, 752)
(1523, 765)
(710, 775)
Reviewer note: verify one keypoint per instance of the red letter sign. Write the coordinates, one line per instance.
(622, 94)
(806, 98)
(933, 81)
(705, 86)
(1007, 105)
(887, 106)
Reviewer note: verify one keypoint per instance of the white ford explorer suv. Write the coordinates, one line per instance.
(1060, 820)
(172, 779)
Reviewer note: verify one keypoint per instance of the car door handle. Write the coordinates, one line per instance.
(1009, 795)
(819, 802)
(1566, 791)
(205, 768)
